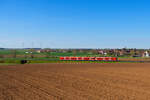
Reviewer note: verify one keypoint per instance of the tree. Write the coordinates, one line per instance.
(48, 53)
(14, 53)
(32, 53)
(94, 52)
(74, 52)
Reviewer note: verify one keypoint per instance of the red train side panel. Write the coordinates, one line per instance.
(89, 58)
(62, 58)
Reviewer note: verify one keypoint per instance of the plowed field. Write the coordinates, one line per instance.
(117, 81)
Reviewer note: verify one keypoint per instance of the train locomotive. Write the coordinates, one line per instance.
(89, 58)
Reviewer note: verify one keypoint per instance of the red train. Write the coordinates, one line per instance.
(89, 58)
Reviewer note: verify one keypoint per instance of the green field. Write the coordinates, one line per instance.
(21, 53)
(15, 56)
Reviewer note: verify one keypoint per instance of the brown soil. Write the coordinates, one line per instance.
(117, 81)
(134, 59)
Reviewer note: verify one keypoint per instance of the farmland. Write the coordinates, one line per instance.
(13, 56)
(103, 81)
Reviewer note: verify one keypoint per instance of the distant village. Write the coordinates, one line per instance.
(124, 52)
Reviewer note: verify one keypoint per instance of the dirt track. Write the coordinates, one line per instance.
(75, 82)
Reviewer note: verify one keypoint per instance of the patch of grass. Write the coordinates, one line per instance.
(44, 61)
(7, 64)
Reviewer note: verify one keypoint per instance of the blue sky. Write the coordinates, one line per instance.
(75, 23)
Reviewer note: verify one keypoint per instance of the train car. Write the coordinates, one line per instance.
(89, 58)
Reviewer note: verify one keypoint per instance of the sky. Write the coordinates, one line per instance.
(75, 23)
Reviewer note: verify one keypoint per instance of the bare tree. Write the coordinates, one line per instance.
(14, 53)
(74, 52)
(32, 53)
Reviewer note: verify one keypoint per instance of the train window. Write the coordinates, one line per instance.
(73, 58)
(67, 58)
(86, 58)
(92, 58)
(99, 58)
(79, 58)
